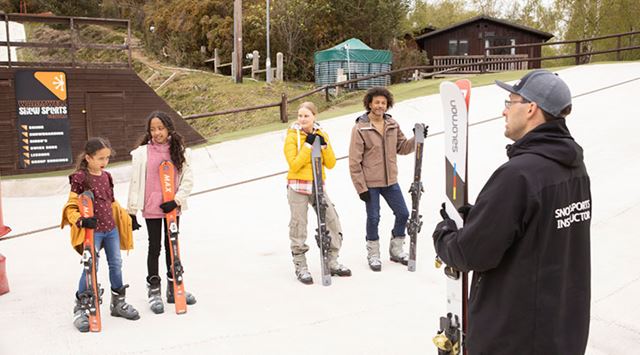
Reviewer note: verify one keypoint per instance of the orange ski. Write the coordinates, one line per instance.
(167, 181)
(89, 261)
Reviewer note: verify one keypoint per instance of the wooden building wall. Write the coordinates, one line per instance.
(111, 103)
(475, 33)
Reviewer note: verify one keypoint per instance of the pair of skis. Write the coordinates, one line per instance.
(89, 253)
(415, 220)
(89, 261)
(455, 105)
(320, 205)
(167, 180)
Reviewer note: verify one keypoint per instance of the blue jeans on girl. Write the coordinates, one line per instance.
(111, 242)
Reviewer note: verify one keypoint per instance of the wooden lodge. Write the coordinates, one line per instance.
(467, 42)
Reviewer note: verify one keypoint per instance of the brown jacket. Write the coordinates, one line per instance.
(372, 156)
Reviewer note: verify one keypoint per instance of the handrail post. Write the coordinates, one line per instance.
(326, 94)
(6, 21)
(618, 55)
(216, 61)
(578, 52)
(279, 66)
(73, 42)
(255, 63)
(129, 43)
(483, 66)
(284, 118)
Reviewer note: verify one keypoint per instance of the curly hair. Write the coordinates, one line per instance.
(176, 147)
(377, 91)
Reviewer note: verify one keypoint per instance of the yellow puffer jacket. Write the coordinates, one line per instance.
(71, 214)
(298, 153)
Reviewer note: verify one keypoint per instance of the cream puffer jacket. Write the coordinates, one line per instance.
(138, 177)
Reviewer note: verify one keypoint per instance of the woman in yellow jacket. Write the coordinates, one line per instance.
(297, 150)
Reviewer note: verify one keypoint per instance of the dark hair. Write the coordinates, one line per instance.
(549, 117)
(377, 91)
(176, 143)
(92, 146)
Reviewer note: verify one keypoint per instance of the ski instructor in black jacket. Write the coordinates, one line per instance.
(527, 238)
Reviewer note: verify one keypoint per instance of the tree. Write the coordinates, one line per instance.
(439, 15)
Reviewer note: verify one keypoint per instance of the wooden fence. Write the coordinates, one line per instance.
(73, 45)
(480, 63)
(513, 61)
(277, 72)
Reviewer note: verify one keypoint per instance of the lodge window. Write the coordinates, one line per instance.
(495, 42)
(458, 47)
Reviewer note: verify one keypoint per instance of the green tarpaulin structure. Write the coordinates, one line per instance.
(358, 52)
(356, 59)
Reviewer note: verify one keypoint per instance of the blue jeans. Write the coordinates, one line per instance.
(111, 242)
(395, 200)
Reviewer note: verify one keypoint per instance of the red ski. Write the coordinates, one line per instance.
(167, 181)
(89, 262)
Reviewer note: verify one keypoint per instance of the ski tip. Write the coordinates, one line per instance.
(446, 84)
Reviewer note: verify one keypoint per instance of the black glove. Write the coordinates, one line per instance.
(364, 196)
(89, 222)
(322, 141)
(134, 222)
(310, 138)
(464, 210)
(168, 206)
(446, 226)
(425, 131)
(443, 212)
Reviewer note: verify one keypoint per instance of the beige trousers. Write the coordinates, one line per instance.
(299, 205)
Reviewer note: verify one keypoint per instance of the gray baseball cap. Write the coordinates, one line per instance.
(544, 88)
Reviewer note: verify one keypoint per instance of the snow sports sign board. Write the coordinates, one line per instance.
(43, 119)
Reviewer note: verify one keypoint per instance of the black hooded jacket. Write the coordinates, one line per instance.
(527, 239)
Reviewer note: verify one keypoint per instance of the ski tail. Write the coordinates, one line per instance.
(85, 202)
(320, 204)
(167, 182)
(415, 221)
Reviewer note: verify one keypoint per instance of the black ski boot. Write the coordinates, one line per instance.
(120, 308)
(191, 300)
(155, 295)
(81, 312)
